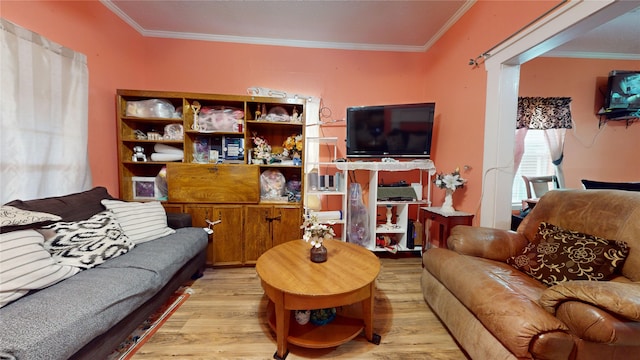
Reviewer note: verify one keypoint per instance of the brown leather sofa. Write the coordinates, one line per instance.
(495, 311)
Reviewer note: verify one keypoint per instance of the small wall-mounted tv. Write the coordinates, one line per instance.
(623, 92)
(402, 130)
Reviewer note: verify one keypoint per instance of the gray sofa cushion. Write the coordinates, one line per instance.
(55, 322)
(163, 256)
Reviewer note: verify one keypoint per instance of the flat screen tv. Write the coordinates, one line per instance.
(402, 130)
(623, 92)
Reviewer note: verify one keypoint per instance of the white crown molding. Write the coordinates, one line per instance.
(281, 42)
(287, 42)
(591, 55)
(121, 14)
(467, 5)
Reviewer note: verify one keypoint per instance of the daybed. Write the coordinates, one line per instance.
(87, 315)
(513, 295)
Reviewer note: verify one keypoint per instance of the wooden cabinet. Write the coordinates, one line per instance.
(267, 226)
(202, 145)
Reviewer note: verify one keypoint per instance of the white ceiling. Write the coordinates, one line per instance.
(392, 25)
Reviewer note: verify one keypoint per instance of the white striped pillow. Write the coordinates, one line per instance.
(25, 265)
(141, 221)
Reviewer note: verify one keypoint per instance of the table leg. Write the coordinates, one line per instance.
(367, 315)
(283, 318)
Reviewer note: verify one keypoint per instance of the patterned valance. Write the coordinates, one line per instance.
(544, 113)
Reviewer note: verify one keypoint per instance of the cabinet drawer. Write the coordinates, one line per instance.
(213, 183)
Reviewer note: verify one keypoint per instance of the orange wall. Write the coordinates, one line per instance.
(119, 57)
(608, 153)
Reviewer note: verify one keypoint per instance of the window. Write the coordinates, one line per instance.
(536, 161)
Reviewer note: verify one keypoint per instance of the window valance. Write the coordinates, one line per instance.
(544, 113)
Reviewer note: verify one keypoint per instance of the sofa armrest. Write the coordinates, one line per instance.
(489, 243)
(619, 298)
(178, 220)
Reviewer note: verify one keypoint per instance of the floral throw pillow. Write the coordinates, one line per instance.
(87, 243)
(559, 255)
(12, 216)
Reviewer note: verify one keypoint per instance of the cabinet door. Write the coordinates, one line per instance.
(225, 245)
(227, 235)
(258, 229)
(198, 215)
(286, 226)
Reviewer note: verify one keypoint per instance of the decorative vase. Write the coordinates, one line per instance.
(448, 201)
(318, 254)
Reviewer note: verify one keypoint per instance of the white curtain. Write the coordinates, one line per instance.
(44, 117)
(519, 148)
(555, 140)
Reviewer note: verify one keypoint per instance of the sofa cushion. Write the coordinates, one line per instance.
(86, 243)
(141, 221)
(558, 255)
(55, 322)
(72, 207)
(497, 294)
(12, 216)
(165, 255)
(65, 317)
(25, 265)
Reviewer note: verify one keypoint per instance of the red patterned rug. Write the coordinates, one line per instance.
(149, 327)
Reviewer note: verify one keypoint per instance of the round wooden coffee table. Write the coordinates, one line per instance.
(293, 282)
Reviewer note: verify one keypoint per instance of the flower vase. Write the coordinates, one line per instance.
(318, 254)
(447, 206)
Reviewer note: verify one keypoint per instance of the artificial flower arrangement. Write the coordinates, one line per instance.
(315, 232)
(261, 149)
(293, 144)
(450, 181)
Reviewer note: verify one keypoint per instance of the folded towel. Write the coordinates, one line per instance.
(167, 149)
(166, 157)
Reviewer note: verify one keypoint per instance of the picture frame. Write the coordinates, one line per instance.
(144, 188)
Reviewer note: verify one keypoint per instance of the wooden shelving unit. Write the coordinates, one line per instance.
(251, 224)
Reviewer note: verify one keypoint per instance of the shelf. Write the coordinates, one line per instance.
(413, 202)
(152, 120)
(276, 123)
(129, 162)
(162, 141)
(388, 166)
(381, 229)
(326, 192)
(339, 331)
(196, 132)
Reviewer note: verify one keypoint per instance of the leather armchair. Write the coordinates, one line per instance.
(497, 312)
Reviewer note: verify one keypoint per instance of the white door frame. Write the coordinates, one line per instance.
(503, 75)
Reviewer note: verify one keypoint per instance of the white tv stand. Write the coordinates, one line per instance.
(401, 208)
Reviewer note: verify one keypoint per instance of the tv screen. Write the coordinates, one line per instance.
(623, 91)
(403, 130)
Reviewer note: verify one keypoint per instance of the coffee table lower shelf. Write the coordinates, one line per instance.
(339, 331)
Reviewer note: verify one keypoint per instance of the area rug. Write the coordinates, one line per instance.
(149, 327)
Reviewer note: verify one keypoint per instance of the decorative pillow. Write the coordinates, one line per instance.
(87, 243)
(141, 221)
(12, 216)
(562, 255)
(25, 265)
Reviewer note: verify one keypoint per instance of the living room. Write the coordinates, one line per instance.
(340, 78)
(120, 58)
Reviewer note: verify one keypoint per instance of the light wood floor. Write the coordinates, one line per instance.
(226, 319)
